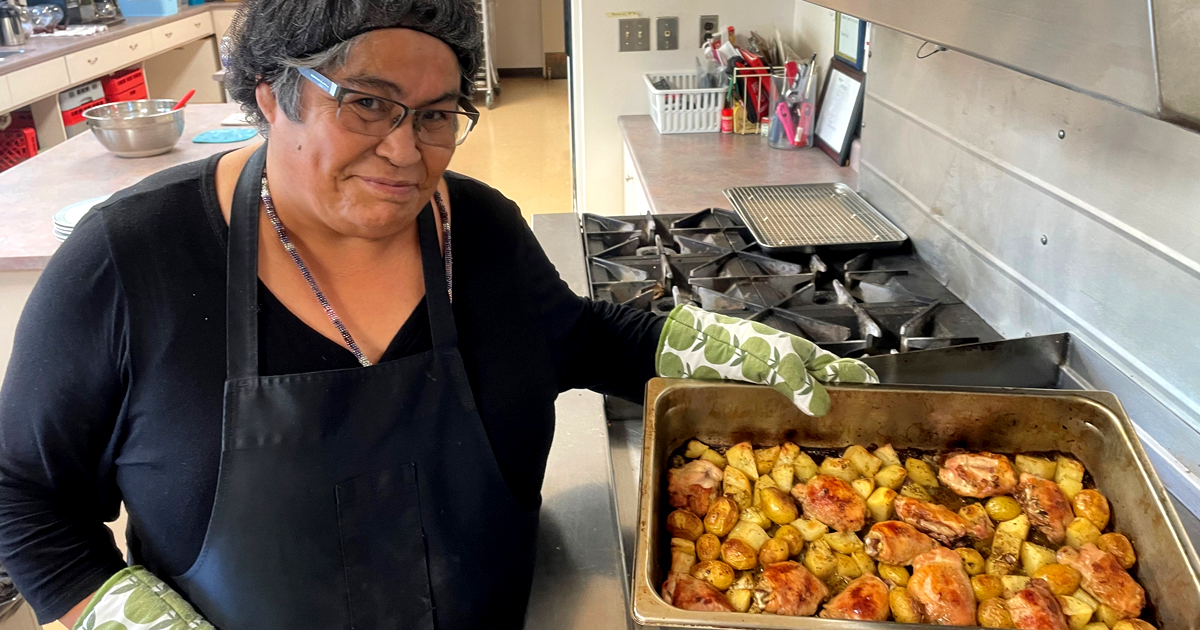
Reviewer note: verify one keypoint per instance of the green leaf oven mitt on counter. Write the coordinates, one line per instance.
(701, 345)
(134, 599)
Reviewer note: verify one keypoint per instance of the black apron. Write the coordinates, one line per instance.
(357, 499)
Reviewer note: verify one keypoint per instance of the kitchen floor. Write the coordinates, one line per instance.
(522, 147)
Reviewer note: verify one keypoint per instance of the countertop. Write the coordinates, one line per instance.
(39, 49)
(32, 191)
(687, 172)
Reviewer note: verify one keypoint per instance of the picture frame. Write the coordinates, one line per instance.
(849, 40)
(839, 110)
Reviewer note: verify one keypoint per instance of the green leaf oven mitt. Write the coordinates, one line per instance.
(134, 599)
(701, 345)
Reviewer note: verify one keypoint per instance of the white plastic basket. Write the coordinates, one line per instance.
(684, 108)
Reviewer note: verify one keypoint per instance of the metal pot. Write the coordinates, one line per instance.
(11, 31)
(136, 128)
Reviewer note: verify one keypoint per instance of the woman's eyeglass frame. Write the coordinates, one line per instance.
(340, 92)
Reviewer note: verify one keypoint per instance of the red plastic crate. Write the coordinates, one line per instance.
(21, 119)
(134, 93)
(16, 146)
(75, 116)
(121, 82)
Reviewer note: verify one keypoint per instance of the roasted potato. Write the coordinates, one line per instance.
(804, 467)
(863, 487)
(972, 560)
(1096, 625)
(840, 468)
(1086, 598)
(784, 471)
(847, 568)
(1062, 579)
(879, 504)
(741, 457)
(914, 490)
(820, 559)
(716, 458)
(844, 542)
(810, 528)
(866, 463)
(763, 483)
(684, 524)
(715, 572)
(739, 554)
(1006, 545)
(740, 598)
(1093, 506)
(737, 486)
(1119, 546)
(708, 547)
(792, 537)
(1034, 557)
(749, 533)
(1014, 584)
(865, 563)
(1036, 466)
(905, 609)
(1068, 474)
(921, 472)
(1081, 531)
(722, 515)
(986, 587)
(778, 505)
(695, 448)
(1132, 624)
(1107, 615)
(974, 513)
(888, 455)
(891, 476)
(993, 614)
(764, 459)
(772, 551)
(683, 555)
(893, 573)
(1002, 508)
(1078, 613)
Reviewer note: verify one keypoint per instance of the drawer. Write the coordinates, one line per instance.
(182, 31)
(95, 61)
(135, 47)
(34, 82)
(5, 97)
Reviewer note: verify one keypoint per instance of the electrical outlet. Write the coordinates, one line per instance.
(635, 35)
(708, 27)
(668, 33)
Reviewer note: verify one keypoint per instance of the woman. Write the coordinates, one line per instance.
(340, 417)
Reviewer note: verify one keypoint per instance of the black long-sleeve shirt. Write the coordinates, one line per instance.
(114, 389)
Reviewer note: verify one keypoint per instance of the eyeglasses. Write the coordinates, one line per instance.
(372, 115)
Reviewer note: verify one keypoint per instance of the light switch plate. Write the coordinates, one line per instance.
(708, 27)
(668, 33)
(635, 35)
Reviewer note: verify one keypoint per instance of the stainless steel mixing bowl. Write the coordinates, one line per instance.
(136, 128)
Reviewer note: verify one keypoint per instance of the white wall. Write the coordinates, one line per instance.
(518, 26)
(814, 27)
(609, 84)
(553, 27)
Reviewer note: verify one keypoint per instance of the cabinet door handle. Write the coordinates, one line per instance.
(629, 178)
(199, 23)
(93, 60)
(168, 34)
(133, 46)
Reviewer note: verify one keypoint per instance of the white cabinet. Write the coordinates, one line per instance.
(222, 19)
(34, 82)
(636, 201)
(180, 32)
(105, 58)
(5, 95)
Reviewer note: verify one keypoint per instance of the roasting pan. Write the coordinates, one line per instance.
(1089, 425)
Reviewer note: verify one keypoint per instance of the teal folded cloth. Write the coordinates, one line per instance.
(220, 136)
(697, 344)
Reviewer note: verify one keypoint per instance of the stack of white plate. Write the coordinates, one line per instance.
(66, 219)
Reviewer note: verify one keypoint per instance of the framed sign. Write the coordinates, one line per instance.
(849, 40)
(839, 110)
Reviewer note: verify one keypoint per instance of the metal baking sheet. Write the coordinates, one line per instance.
(1091, 426)
(808, 217)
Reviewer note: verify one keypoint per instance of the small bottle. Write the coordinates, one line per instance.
(727, 120)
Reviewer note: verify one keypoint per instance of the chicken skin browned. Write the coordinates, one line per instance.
(893, 542)
(940, 523)
(978, 475)
(833, 502)
(787, 588)
(694, 486)
(865, 599)
(1105, 579)
(940, 584)
(691, 593)
(979, 524)
(1046, 506)
(1035, 608)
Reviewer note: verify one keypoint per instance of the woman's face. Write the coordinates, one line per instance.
(359, 185)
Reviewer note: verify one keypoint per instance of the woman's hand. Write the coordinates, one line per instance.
(701, 345)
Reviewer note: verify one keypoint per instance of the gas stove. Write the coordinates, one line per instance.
(854, 303)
